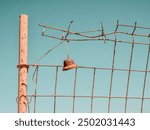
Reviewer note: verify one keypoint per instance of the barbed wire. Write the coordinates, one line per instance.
(102, 36)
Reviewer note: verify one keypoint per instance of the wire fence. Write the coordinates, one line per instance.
(94, 89)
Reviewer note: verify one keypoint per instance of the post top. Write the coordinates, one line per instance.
(23, 15)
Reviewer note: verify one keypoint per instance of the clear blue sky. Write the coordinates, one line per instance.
(86, 14)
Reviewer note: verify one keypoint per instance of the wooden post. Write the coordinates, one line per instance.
(23, 64)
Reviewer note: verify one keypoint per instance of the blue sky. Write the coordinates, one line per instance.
(87, 14)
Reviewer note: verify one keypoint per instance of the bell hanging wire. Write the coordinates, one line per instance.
(66, 48)
(68, 63)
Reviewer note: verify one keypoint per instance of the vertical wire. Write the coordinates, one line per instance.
(28, 108)
(74, 91)
(43, 31)
(145, 77)
(93, 83)
(28, 105)
(65, 38)
(112, 73)
(103, 34)
(129, 74)
(29, 101)
(55, 91)
(35, 91)
(66, 48)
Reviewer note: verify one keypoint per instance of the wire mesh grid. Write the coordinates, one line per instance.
(117, 88)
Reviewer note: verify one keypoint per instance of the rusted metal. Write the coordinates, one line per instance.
(93, 84)
(84, 37)
(74, 95)
(69, 64)
(129, 75)
(84, 96)
(35, 87)
(91, 67)
(55, 91)
(19, 66)
(145, 79)
(74, 91)
(98, 39)
(125, 25)
(112, 73)
(22, 66)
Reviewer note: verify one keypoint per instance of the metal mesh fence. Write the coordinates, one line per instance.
(122, 87)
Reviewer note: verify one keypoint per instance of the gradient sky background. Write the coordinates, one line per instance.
(86, 14)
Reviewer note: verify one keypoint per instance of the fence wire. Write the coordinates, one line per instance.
(73, 96)
(100, 96)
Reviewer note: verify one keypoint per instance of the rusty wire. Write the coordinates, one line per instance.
(93, 83)
(50, 50)
(55, 91)
(85, 36)
(91, 67)
(130, 65)
(74, 91)
(74, 95)
(103, 36)
(84, 96)
(29, 100)
(113, 65)
(112, 73)
(129, 75)
(99, 39)
(35, 80)
(145, 78)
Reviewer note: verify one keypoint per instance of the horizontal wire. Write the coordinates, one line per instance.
(90, 31)
(69, 32)
(95, 39)
(119, 41)
(88, 67)
(106, 34)
(84, 37)
(140, 35)
(52, 37)
(78, 96)
(125, 25)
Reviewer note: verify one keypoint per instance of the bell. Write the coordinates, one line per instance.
(69, 64)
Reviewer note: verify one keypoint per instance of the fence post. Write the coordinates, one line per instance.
(23, 65)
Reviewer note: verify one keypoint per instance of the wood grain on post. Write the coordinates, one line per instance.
(23, 64)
